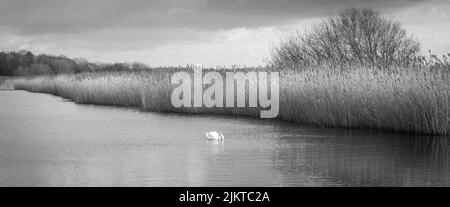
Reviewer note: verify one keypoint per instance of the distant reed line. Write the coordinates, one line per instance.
(412, 100)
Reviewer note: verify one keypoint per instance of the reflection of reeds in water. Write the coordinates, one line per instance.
(435, 151)
(412, 100)
(364, 158)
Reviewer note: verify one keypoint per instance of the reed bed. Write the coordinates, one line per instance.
(2, 79)
(413, 100)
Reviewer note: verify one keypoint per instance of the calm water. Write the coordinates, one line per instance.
(46, 141)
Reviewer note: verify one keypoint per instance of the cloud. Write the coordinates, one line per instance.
(173, 32)
(72, 16)
(154, 47)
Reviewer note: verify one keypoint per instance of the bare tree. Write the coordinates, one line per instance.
(359, 36)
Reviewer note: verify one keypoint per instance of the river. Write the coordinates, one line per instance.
(48, 141)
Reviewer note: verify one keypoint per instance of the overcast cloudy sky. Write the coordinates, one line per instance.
(178, 32)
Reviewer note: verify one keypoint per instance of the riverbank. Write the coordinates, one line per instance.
(413, 100)
(2, 79)
(4, 86)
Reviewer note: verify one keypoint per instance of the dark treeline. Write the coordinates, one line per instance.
(25, 63)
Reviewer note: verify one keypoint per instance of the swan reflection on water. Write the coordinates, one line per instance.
(216, 142)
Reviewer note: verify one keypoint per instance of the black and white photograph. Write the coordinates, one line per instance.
(224, 93)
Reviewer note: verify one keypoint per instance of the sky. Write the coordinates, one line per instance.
(201, 32)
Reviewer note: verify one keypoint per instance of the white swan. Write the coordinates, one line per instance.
(215, 136)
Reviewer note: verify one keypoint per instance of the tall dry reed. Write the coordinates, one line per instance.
(414, 100)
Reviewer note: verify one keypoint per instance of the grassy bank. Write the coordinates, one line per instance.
(414, 100)
(2, 79)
